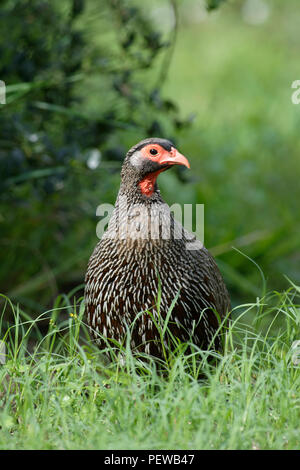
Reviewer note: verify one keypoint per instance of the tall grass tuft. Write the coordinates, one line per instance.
(59, 391)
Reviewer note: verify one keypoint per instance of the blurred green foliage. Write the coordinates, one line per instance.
(235, 68)
(87, 79)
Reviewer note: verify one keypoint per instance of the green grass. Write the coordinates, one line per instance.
(60, 393)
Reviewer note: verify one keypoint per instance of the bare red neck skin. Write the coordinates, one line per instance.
(147, 184)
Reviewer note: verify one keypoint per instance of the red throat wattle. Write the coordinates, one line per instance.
(148, 183)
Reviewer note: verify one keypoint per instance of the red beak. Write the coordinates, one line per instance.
(174, 158)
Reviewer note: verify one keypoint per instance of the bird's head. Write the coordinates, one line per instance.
(147, 159)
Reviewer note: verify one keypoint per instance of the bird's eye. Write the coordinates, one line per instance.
(153, 151)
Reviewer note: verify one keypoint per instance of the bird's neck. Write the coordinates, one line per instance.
(138, 218)
(143, 191)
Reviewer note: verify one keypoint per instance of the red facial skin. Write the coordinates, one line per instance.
(163, 157)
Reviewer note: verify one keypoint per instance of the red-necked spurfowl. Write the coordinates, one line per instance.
(146, 259)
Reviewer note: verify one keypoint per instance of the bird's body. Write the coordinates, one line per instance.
(146, 264)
